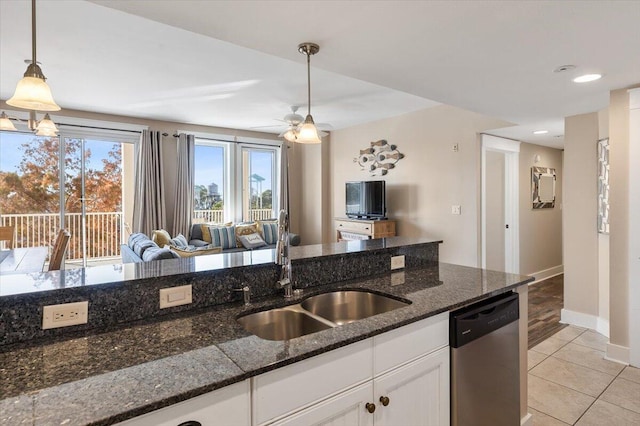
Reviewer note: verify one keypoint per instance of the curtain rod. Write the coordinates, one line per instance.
(100, 128)
(175, 135)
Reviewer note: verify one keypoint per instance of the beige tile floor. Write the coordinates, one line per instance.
(570, 383)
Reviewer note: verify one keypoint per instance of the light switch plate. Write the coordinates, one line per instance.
(66, 314)
(175, 296)
(397, 262)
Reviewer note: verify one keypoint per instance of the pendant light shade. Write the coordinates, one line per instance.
(6, 124)
(308, 132)
(32, 92)
(46, 127)
(291, 135)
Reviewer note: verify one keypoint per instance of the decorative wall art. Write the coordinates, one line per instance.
(379, 158)
(543, 187)
(603, 186)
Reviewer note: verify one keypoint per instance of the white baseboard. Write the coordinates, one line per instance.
(547, 273)
(618, 353)
(527, 420)
(580, 319)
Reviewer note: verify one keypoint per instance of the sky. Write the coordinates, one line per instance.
(11, 151)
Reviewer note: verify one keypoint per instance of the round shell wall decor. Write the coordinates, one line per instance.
(379, 159)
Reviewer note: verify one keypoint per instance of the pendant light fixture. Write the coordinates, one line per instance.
(308, 132)
(6, 124)
(32, 92)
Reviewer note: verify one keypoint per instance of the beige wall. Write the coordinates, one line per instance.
(428, 181)
(619, 212)
(540, 229)
(580, 248)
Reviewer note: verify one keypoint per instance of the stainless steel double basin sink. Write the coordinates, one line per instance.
(317, 313)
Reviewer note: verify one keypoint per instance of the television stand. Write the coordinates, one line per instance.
(364, 229)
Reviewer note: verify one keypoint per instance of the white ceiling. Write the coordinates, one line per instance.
(237, 65)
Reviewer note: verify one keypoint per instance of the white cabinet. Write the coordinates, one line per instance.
(229, 406)
(347, 408)
(406, 382)
(415, 394)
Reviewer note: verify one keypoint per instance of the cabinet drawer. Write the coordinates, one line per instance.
(229, 405)
(384, 227)
(298, 385)
(409, 342)
(358, 227)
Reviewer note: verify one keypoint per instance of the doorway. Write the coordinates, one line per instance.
(500, 217)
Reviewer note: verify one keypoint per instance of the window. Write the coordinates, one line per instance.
(81, 180)
(235, 182)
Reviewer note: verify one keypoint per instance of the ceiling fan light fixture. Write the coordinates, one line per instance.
(6, 124)
(291, 135)
(46, 127)
(308, 132)
(32, 92)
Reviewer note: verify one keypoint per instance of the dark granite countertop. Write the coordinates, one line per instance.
(112, 376)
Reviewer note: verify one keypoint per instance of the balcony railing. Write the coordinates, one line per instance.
(217, 216)
(103, 232)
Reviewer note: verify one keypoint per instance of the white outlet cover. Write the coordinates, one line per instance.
(64, 315)
(397, 262)
(456, 209)
(175, 296)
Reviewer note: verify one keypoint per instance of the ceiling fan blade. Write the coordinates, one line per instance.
(266, 127)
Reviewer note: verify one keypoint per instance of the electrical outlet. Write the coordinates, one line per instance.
(456, 210)
(175, 296)
(456, 148)
(66, 314)
(397, 262)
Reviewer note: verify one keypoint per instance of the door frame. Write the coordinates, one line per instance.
(511, 151)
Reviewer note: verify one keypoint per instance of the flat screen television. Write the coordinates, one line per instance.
(366, 199)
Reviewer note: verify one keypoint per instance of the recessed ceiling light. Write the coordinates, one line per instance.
(540, 132)
(587, 78)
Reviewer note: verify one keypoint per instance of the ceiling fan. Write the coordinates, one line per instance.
(293, 121)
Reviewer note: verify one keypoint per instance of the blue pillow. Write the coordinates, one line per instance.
(179, 241)
(224, 236)
(270, 232)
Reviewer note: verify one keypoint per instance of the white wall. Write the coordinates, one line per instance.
(428, 181)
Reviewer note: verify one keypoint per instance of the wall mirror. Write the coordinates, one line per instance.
(543, 187)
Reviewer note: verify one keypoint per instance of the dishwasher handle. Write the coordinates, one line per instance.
(480, 319)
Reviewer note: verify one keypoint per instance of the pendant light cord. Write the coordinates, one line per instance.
(33, 31)
(308, 82)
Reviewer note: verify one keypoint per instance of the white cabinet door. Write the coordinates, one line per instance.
(229, 406)
(418, 393)
(346, 409)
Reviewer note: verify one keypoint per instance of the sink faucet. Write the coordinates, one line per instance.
(282, 255)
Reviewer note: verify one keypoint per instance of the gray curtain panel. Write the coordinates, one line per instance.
(284, 178)
(148, 207)
(184, 186)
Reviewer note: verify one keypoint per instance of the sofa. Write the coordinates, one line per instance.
(141, 248)
(198, 239)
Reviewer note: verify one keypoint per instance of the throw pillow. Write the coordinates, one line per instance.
(269, 231)
(245, 229)
(252, 241)
(160, 237)
(178, 241)
(206, 234)
(224, 237)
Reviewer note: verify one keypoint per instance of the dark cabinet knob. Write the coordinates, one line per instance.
(370, 407)
(384, 400)
(190, 423)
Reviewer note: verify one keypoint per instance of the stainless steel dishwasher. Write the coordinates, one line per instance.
(485, 373)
